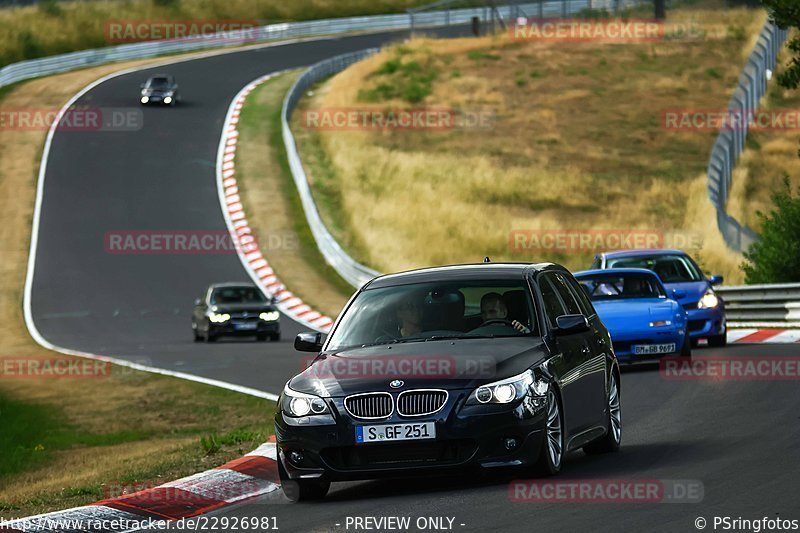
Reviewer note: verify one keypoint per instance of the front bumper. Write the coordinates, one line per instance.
(473, 436)
(255, 328)
(624, 342)
(706, 322)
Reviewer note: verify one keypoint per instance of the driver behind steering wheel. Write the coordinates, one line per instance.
(494, 308)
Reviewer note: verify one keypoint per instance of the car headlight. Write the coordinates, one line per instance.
(300, 404)
(508, 390)
(269, 316)
(219, 318)
(660, 323)
(145, 99)
(709, 300)
(167, 99)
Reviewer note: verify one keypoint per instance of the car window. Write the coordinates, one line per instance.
(565, 293)
(236, 295)
(672, 268)
(621, 285)
(580, 295)
(424, 311)
(553, 308)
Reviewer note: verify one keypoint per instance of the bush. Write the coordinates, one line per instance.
(775, 258)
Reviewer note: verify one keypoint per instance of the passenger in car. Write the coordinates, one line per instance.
(494, 308)
(409, 315)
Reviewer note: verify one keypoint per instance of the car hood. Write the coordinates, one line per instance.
(635, 313)
(694, 290)
(444, 364)
(240, 308)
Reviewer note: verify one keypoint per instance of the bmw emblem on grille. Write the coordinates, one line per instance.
(396, 383)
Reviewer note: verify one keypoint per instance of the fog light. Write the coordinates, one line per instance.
(296, 458)
(510, 444)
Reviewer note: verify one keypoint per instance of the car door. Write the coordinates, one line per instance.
(571, 354)
(599, 343)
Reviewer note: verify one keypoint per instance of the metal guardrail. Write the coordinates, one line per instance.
(348, 268)
(762, 306)
(730, 142)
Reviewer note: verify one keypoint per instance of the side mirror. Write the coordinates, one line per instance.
(308, 342)
(679, 294)
(570, 324)
(198, 301)
(716, 280)
(273, 300)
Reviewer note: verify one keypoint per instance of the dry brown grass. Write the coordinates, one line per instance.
(577, 143)
(169, 415)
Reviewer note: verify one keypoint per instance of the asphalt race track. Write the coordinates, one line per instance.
(738, 439)
(161, 177)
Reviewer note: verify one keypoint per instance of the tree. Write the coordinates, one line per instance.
(786, 14)
(775, 258)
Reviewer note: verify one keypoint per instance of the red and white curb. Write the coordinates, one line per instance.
(253, 260)
(251, 476)
(767, 336)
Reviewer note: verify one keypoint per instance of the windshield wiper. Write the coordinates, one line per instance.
(448, 337)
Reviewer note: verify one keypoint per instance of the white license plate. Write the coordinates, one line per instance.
(245, 325)
(653, 349)
(395, 432)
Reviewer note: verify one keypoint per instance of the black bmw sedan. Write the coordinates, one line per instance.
(235, 309)
(434, 370)
(161, 89)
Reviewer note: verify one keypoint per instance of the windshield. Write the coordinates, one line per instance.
(620, 286)
(670, 268)
(237, 295)
(431, 311)
(158, 83)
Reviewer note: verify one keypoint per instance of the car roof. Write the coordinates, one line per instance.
(600, 271)
(464, 272)
(228, 284)
(643, 251)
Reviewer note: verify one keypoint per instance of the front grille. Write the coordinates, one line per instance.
(369, 406)
(400, 455)
(696, 325)
(690, 306)
(420, 402)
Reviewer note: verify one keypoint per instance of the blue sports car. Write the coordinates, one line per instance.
(645, 323)
(680, 275)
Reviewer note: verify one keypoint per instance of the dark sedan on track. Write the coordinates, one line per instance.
(436, 370)
(161, 90)
(235, 309)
